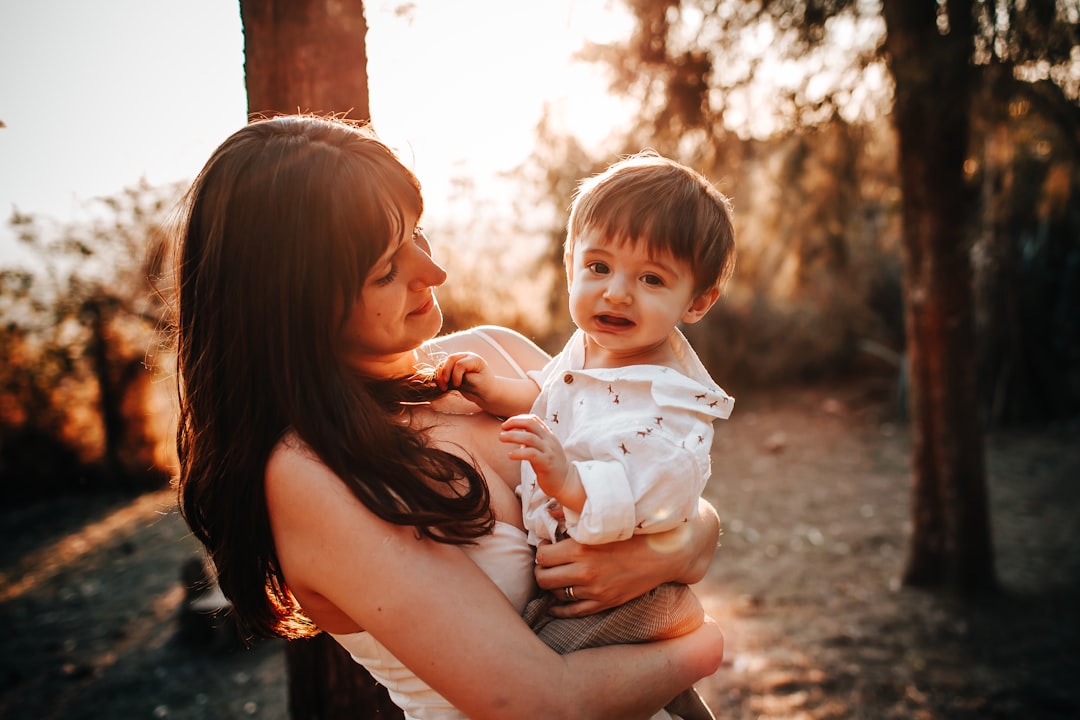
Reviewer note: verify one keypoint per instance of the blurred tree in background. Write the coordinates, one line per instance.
(77, 340)
(932, 69)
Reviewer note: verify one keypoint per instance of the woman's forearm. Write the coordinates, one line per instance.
(636, 681)
(604, 576)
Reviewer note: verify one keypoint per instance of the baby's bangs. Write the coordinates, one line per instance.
(622, 219)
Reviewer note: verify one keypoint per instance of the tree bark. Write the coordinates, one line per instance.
(93, 313)
(326, 684)
(951, 543)
(305, 56)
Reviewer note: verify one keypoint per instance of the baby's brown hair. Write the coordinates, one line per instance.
(666, 205)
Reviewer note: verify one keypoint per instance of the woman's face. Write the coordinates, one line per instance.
(397, 310)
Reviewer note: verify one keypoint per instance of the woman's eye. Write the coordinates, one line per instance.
(420, 239)
(388, 277)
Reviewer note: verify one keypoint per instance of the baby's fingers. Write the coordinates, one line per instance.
(444, 373)
(522, 437)
(457, 374)
(527, 423)
(451, 373)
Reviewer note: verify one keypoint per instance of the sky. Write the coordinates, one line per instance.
(95, 96)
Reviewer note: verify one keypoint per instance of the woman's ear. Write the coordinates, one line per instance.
(701, 305)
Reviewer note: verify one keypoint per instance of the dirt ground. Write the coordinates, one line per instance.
(812, 488)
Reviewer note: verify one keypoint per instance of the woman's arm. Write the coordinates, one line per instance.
(439, 614)
(604, 576)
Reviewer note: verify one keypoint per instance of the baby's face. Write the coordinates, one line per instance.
(626, 299)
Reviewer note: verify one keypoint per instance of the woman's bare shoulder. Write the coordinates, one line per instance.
(298, 481)
(289, 455)
(524, 351)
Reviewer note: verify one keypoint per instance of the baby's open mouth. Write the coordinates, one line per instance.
(614, 320)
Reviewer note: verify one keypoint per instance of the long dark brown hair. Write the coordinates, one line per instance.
(278, 234)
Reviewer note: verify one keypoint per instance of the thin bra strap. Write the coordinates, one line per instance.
(501, 350)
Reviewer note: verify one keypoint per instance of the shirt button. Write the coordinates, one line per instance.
(568, 378)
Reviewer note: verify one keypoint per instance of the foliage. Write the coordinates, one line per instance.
(77, 326)
(708, 68)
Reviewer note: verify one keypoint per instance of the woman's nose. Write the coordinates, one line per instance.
(428, 273)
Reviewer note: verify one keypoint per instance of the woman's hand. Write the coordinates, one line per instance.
(603, 576)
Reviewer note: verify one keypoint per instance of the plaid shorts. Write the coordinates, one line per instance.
(668, 611)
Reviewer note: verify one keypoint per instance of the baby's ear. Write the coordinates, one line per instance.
(701, 305)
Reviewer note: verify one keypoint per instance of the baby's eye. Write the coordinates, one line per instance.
(653, 280)
(598, 267)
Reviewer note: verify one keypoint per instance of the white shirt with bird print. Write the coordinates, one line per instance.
(640, 437)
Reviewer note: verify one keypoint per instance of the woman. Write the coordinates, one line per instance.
(337, 489)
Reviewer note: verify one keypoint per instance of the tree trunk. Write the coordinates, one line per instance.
(311, 56)
(112, 418)
(305, 56)
(325, 684)
(951, 543)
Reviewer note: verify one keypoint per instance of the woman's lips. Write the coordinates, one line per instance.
(423, 309)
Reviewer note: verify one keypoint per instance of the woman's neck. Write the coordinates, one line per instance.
(389, 367)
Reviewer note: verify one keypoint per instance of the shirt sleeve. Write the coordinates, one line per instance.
(638, 482)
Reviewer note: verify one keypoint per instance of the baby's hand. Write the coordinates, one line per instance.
(463, 371)
(536, 444)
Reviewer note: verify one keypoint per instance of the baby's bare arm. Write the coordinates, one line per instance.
(469, 374)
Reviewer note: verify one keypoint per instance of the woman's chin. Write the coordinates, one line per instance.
(431, 320)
